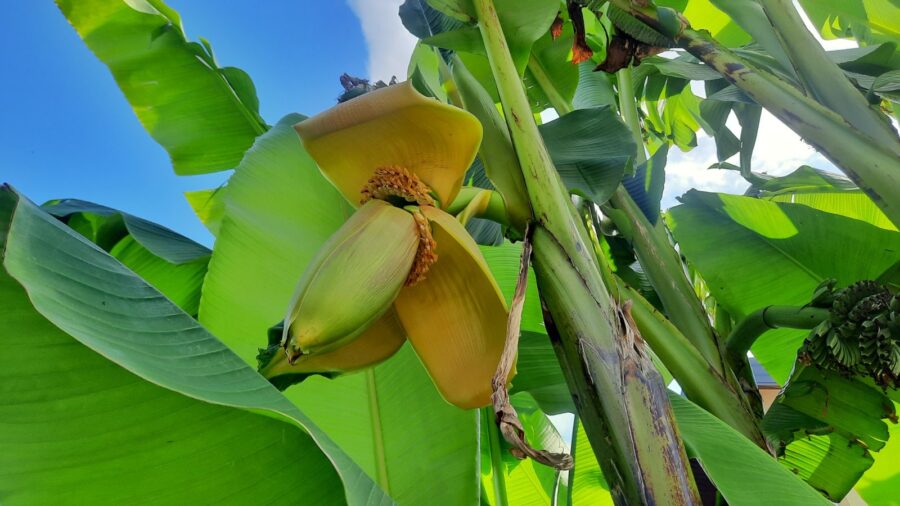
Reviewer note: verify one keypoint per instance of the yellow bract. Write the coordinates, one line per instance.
(456, 318)
(393, 126)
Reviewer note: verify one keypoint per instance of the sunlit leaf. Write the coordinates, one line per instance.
(754, 253)
(205, 116)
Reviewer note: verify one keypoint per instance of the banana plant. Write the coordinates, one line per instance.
(406, 288)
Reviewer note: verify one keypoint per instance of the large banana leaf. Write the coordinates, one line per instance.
(204, 115)
(172, 263)
(278, 210)
(591, 149)
(827, 192)
(742, 472)
(113, 395)
(828, 428)
(754, 253)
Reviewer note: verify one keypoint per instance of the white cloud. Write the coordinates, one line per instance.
(390, 45)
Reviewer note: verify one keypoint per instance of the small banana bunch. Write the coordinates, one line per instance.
(399, 268)
(862, 335)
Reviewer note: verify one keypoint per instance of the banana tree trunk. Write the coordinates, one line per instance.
(619, 395)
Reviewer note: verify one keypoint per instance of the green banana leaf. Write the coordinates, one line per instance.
(391, 420)
(825, 191)
(113, 395)
(828, 428)
(551, 58)
(705, 15)
(591, 149)
(525, 482)
(172, 263)
(882, 481)
(209, 206)
(754, 253)
(204, 115)
(866, 20)
(742, 472)
(587, 486)
(523, 22)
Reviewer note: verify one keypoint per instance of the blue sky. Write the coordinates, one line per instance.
(67, 130)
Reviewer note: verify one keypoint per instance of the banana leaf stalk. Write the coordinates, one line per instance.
(873, 166)
(687, 345)
(619, 395)
(822, 77)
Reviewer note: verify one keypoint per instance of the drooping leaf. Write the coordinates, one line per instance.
(828, 428)
(138, 403)
(172, 263)
(866, 20)
(755, 253)
(732, 461)
(278, 210)
(591, 149)
(205, 116)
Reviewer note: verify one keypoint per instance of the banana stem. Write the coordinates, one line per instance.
(770, 317)
(660, 261)
(873, 166)
(556, 99)
(697, 378)
(619, 394)
(822, 77)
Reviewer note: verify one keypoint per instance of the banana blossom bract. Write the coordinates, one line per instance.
(400, 267)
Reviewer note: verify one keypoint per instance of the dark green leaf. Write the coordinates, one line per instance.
(648, 182)
(423, 20)
(591, 149)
